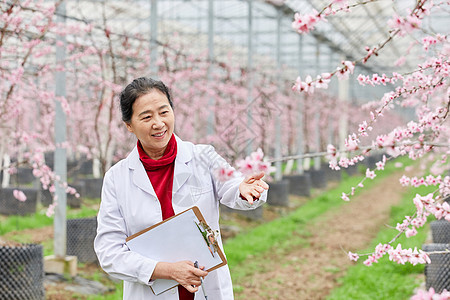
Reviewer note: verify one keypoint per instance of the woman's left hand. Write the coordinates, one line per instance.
(252, 187)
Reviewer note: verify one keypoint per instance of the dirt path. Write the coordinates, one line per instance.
(311, 272)
(36, 236)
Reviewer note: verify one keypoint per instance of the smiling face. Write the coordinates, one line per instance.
(152, 122)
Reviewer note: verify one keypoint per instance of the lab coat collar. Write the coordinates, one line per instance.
(139, 176)
(181, 172)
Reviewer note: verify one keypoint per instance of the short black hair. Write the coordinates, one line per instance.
(137, 88)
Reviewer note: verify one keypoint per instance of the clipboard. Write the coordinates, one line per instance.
(184, 236)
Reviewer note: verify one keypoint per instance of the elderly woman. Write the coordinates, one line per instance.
(163, 176)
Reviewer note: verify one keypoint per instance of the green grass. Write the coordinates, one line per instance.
(39, 219)
(385, 280)
(282, 234)
(117, 294)
(116, 287)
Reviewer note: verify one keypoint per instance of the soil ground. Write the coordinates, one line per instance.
(305, 273)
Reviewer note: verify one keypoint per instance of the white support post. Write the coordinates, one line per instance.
(331, 88)
(6, 175)
(154, 38)
(210, 126)
(301, 108)
(60, 263)
(317, 136)
(278, 165)
(343, 119)
(60, 232)
(250, 70)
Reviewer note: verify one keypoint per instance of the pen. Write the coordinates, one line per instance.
(201, 279)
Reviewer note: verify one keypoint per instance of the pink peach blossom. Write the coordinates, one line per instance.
(19, 195)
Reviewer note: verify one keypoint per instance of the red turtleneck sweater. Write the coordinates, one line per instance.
(160, 173)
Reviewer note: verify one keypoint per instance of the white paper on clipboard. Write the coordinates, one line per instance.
(176, 239)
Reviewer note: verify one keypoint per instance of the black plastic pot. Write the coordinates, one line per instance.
(22, 272)
(11, 206)
(440, 230)
(318, 179)
(299, 185)
(50, 159)
(253, 214)
(332, 175)
(351, 170)
(371, 160)
(23, 176)
(437, 273)
(80, 239)
(46, 197)
(86, 168)
(92, 187)
(278, 194)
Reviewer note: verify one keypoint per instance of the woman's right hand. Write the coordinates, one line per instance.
(183, 272)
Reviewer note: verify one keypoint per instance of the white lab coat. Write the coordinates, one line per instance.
(129, 205)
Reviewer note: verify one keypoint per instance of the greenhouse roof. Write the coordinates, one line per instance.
(244, 27)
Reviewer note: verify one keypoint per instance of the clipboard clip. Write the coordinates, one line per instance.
(209, 236)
